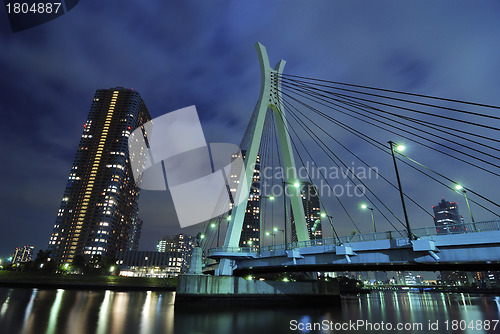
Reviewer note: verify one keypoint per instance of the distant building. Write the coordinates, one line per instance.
(488, 279)
(312, 212)
(381, 277)
(446, 218)
(406, 278)
(149, 263)
(410, 279)
(23, 254)
(454, 278)
(98, 214)
(399, 279)
(181, 244)
(250, 233)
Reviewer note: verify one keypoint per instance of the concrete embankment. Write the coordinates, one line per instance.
(83, 282)
(204, 289)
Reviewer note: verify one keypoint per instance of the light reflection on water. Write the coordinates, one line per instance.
(102, 312)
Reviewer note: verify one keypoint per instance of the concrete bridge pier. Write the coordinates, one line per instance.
(230, 290)
(196, 288)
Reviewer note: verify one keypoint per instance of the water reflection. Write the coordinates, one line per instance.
(80, 312)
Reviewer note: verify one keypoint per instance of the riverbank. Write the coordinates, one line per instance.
(437, 289)
(84, 282)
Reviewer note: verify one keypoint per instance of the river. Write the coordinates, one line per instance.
(50, 311)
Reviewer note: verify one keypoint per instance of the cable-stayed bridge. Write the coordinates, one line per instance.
(299, 136)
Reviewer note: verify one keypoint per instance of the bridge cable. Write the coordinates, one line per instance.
(412, 133)
(393, 132)
(333, 160)
(338, 199)
(382, 147)
(421, 122)
(304, 125)
(364, 162)
(334, 232)
(364, 107)
(283, 75)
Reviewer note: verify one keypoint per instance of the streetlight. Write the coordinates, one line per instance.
(283, 234)
(401, 148)
(364, 206)
(273, 235)
(261, 229)
(285, 231)
(214, 225)
(462, 189)
(330, 220)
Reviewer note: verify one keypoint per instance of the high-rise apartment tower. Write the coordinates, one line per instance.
(99, 210)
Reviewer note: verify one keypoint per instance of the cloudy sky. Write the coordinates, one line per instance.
(181, 53)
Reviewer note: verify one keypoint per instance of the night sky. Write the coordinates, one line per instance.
(182, 53)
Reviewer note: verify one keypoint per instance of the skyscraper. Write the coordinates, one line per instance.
(445, 214)
(250, 233)
(99, 210)
(312, 212)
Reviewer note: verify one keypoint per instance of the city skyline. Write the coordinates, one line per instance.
(51, 71)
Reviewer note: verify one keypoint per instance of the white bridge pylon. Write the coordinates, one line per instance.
(270, 97)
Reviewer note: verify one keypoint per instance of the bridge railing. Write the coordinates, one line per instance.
(214, 251)
(491, 225)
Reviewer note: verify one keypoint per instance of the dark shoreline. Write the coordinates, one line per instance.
(83, 286)
(450, 289)
(84, 282)
(125, 287)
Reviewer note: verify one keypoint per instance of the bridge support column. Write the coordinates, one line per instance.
(224, 290)
(195, 267)
(269, 98)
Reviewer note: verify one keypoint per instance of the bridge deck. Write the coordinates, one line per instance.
(462, 243)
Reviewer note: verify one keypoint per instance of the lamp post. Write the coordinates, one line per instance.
(285, 231)
(273, 235)
(330, 220)
(462, 189)
(261, 229)
(214, 225)
(283, 235)
(401, 148)
(364, 206)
